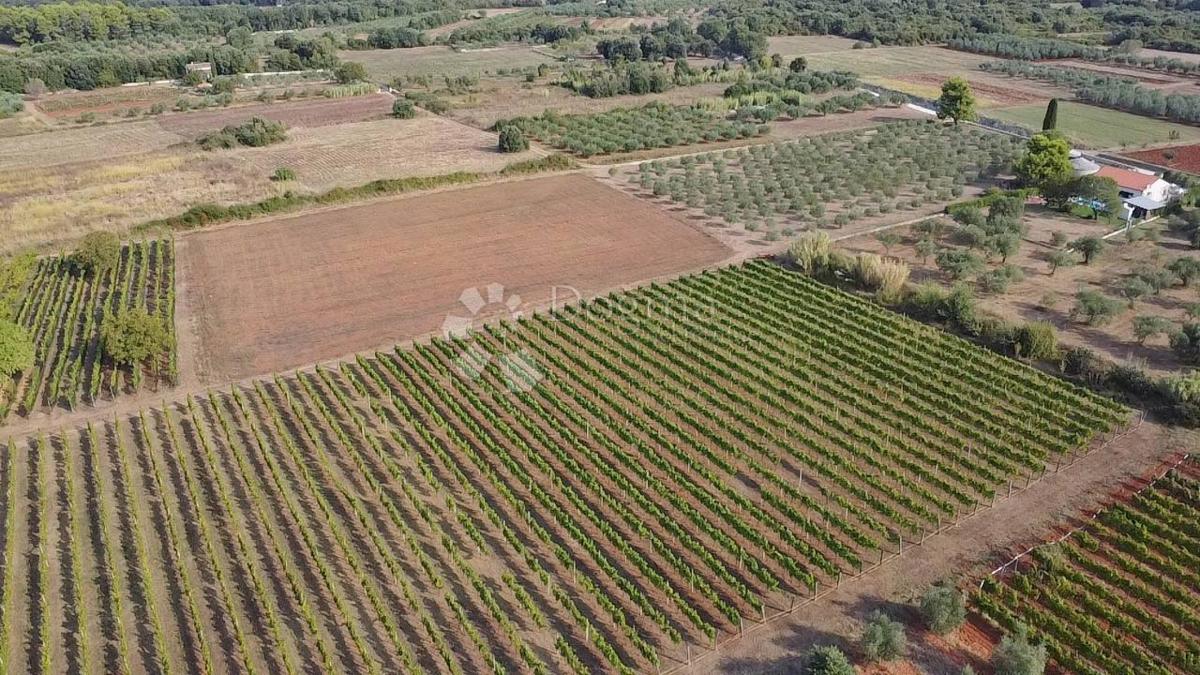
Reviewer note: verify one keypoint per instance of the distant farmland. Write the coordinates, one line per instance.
(594, 490)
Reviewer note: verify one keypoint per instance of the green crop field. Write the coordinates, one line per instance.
(63, 313)
(583, 491)
(1120, 595)
(893, 61)
(383, 65)
(1099, 127)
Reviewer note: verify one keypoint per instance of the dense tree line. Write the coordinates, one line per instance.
(1036, 49)
(790, 86)
(1109, 91)
(676, 39)
(532, 26)
(79, 22)
(903, 22)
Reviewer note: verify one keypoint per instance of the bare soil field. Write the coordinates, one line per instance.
(992, 91)
(964, 553)
(1182, 157)
(352, 154)
(386, 64)
(505, 98)
(85, 144)
(44, 203)
(65, 105)
(292, 291)
(1045, 297)
(311, 113)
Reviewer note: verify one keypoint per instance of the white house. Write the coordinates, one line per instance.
(1144, 193)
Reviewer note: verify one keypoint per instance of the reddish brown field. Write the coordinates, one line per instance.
(292, 291)
(318, 112)
(1182, 157)
(999, 95)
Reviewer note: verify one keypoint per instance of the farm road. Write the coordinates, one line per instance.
(962, 552)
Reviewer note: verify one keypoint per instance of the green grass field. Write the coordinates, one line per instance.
(385, 64)
(1099, 127)
(789, 46)
(892, 61)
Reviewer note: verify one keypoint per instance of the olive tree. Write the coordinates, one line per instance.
(883, 639)
(96, 254)
(134, 335)
(1146, 326)
(1017, 656)
(943, 609)
(828, 660)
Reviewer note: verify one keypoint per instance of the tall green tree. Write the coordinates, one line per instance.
(957, 101)
(1047, 160)
(1050, 121)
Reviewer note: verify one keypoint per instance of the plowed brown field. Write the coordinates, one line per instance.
(291, 291)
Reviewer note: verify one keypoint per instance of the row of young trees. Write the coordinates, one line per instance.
(1038, 48)
(1119, 93)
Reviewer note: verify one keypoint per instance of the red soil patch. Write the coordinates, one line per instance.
(311, 113)
(1002, 96)
(1181, 157)
(287, 292)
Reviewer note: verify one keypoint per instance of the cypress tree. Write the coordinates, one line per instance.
(1050, 121)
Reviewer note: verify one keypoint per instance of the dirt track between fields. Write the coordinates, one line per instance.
(965, 552)
(292, 291)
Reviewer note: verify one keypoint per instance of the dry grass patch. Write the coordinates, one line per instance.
(85, 144)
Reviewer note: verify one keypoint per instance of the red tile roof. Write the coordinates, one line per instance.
(1130, 180)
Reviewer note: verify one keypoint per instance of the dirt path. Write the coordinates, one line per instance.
(962, 552)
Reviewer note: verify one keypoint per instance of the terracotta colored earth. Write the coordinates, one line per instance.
(316, 112)
(264, 297)
(1182, 157)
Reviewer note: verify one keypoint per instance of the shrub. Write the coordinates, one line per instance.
(255, 132)
(1016, 656)
(828, 660)
(810, 252)
(1146, 326)
(96, 254)
(883, 639)
(943, 609)
(886, 277)
(10, 104)
(133, 335)
(404, 109)
(512, 140)
(16, 348)
(959, 264)
(1095, 308)
(283, 173)
(1036, 340)
(1186, 344)
(350, 71)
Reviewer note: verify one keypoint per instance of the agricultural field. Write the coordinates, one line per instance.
(1043, 293)
(1181, 157)
(63, 311)
(895, 61)
(475, 523)
(791, 46)
(1118, 595)
(632, 129)
(46, 204)
(767, 193)
(1093, 127)
(263, 297)
(385, 65)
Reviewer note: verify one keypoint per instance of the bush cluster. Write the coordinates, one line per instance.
(255, 132)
